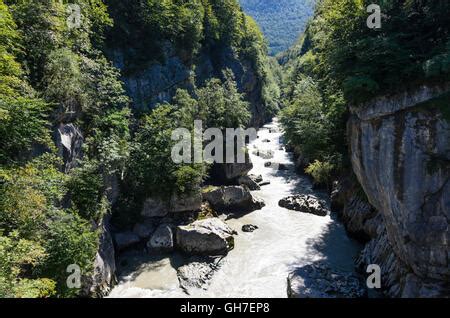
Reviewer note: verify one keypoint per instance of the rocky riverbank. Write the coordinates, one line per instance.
(240, 243)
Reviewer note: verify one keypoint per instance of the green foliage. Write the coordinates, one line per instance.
(47, 18)
(177, 21)
(188, 178)
(51, 75)
(151, 170)
(65, 68)
(152, 154)
(148, 31)
(350, 64)
(63, 81)
(10, 70)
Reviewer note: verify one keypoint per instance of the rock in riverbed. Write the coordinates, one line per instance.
(205, 237)
(197, 274)
(256, 178)
(162, 240)
(233, 199)
(187, 202)
(319, 281)
(306, 204)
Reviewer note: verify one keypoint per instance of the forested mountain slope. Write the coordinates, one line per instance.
(282, 21)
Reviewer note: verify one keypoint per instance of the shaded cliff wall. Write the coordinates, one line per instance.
(158, 82)
(400, 153)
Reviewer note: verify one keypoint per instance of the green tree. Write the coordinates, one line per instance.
(17, 257)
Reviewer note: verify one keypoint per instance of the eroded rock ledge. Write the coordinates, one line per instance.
(400, 153)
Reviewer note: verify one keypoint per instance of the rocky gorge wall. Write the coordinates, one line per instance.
(400, 153)
(158, 82)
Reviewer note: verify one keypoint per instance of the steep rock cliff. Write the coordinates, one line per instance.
(157, 82)
(400, 153)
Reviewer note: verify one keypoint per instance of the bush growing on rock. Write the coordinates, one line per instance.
(322, 172)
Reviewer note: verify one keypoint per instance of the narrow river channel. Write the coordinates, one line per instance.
(259, 264)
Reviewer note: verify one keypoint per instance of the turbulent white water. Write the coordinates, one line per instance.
(261, 261)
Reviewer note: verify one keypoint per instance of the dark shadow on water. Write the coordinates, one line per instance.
(138, 262)
(339, 251)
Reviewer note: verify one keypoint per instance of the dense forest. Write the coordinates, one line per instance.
(69, 127)
(281, 21)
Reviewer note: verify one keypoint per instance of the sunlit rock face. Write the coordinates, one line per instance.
(400, 153)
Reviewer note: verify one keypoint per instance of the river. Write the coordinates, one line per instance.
(259, 264)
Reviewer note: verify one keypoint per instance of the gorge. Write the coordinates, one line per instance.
(350, 168)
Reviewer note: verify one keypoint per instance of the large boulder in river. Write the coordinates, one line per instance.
(162, 240)
(205, 237)
(319, 281)
(233, 199)
(305, 203)
(248, 228)
(256, 178)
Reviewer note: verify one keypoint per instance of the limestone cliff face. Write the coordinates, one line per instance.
(157, 82)
(400, 152)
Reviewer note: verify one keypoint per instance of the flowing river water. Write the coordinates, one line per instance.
(259, 264)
